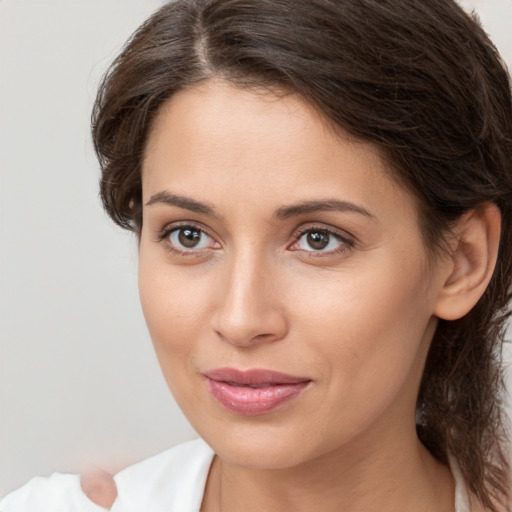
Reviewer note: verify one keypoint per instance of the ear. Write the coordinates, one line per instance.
(471, 263)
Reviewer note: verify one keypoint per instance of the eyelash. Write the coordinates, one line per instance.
(346, 243)
(164, 235)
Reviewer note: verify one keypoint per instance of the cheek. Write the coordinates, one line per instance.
(369, 325)
(173, 308)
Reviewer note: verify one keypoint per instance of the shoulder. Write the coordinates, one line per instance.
(60, 492)
(172, 480)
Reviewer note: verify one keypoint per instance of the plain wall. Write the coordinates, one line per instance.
(79, 383)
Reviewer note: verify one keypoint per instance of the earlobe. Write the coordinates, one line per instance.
(471, 261)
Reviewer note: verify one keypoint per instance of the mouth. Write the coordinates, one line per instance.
(253, 392)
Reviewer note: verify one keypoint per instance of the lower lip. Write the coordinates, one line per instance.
(252, 401)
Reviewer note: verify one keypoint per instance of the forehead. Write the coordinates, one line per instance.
(215, 110)
(224, 142)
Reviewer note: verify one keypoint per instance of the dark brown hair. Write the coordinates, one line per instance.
(419, 79)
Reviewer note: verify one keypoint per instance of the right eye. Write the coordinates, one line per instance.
(189, 238)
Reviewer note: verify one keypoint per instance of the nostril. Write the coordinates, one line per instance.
(262, 336)
(247, 338)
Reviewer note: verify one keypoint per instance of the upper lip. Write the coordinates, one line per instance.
(253, 377)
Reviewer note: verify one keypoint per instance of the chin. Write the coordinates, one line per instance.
(253, 456)
(260, 446)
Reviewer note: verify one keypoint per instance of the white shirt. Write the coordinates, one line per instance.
(172, 481)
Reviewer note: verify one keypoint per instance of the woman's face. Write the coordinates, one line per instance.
(269, 245)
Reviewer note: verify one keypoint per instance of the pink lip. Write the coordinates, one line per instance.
(255, 391)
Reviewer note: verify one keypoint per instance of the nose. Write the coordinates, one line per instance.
(249, 311)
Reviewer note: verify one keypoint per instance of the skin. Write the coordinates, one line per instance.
(355, 318)
(99, 486)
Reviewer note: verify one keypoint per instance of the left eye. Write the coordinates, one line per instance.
(189, 238)
(318, 241)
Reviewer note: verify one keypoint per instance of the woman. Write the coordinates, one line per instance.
(321, 191)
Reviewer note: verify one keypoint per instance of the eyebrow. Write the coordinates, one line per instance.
(283, 213)
(326, 205)
(182, 202)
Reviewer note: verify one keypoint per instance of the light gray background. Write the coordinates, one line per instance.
(79, 383)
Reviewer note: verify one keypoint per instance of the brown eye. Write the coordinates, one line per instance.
(190, 238)
(318, 240)
(321, 241)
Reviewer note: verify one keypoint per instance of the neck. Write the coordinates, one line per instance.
(371, 478)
